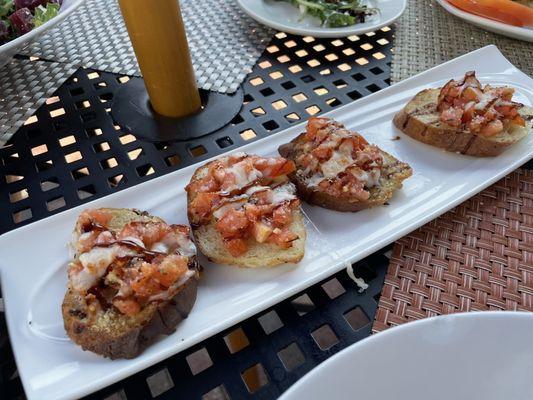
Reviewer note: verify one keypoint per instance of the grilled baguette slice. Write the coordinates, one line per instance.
(113, 334)
(393, 173)
(209, 241)
(421, 120)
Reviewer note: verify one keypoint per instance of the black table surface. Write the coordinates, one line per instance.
(71, 152)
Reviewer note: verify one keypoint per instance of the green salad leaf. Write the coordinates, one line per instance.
(337, 20)
(45, 13)
(6, 8)
(335, 13)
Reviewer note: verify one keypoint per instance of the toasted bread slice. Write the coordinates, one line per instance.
(115, 335)
(210, 242)
(393, 173)
(421, 120)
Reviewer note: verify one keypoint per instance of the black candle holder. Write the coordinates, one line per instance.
(132, 111)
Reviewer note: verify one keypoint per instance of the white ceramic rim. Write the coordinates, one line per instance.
(409, 326)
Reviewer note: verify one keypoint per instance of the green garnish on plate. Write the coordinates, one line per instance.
(335, 13)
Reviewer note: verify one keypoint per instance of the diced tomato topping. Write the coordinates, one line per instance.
(262, 197)
(232, 223)
(282, 215)
(236, 247)
(283, 237)
(127, 306)
(98, 216)
(148, 232)
(352, 145)
(314, 124)
(345, 185)
(145, 285)
(518, 120)
(207, 184)
(482, 110)
(322, 152)
(170, 269)
(202, 205)
(223, 196)
(452, 116)
(255, 212)
(274, 166)
(183, 229)
(261, 231)
(87, 241)
(353, 156)
(135, 272)
(492, 128)
(307, 160)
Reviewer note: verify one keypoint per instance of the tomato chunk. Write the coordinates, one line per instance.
(236, 247)
(232, 223)
(127, 306)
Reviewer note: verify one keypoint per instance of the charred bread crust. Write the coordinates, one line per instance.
(420, 120)
(160, 319)
(395, 173)
(114, 335)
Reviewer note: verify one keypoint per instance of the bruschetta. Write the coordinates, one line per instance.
(338, 169)
(244, 211)
(465, 117)
(132, 277)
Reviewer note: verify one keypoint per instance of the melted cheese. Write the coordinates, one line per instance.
(336, 164)
(242, 177)
(278, 195)
(95, 263)
(186, 246)
(283, 193)
(235, 205)
(134, 240)
(160, 247)
(486, 98)
(369, 178)
(254, 189)
(315, 180)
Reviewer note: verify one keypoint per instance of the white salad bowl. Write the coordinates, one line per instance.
(14, 46)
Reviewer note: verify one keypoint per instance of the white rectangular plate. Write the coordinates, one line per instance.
(33, 258)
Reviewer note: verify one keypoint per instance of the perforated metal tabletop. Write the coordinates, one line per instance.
(71, 152)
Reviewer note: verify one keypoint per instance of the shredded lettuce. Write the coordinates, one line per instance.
(335, 13)
(44, 14)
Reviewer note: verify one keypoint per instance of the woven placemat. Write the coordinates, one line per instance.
(427, 35)
(476, 257)
(21, 94)
(225, 43)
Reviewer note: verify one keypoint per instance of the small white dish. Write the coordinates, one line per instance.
(9, 49)
(478, 355)
(514, 32)
(287, 18)
(33, 258)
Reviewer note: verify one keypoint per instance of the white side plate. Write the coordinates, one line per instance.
(515, 32)
(287, 18)
(478, 355)
(33, 258)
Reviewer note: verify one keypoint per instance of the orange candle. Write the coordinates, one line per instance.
(158, 36)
